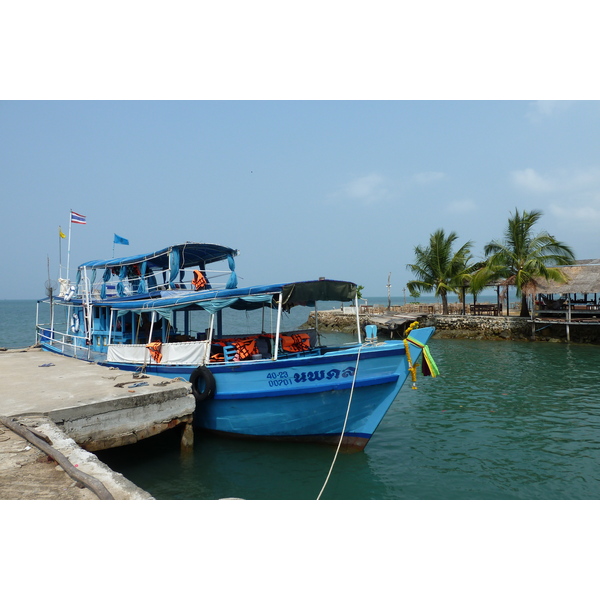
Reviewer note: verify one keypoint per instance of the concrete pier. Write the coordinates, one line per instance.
(27, 473)
(79, 407)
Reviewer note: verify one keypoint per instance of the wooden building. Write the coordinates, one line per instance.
(575, 302)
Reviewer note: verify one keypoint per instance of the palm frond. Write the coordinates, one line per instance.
(523, 257)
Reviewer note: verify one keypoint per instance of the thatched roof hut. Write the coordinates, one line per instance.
(583, 278)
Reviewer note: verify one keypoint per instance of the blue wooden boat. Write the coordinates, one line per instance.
(259, 374)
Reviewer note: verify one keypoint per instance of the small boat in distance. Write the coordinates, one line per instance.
(167, 313)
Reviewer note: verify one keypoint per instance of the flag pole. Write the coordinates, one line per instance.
(69, 246)
(59, 252)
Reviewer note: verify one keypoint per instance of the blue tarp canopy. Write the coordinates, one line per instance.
(298, 293)
(191, 254)
(211, 306)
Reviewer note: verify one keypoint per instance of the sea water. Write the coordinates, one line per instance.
(504, 420)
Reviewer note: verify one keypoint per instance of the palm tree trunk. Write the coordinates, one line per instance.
(444, 302)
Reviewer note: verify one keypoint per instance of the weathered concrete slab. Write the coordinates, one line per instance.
(27, 473)
(97, 406)
(79, 406)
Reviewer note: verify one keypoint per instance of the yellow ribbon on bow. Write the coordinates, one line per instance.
(411, 368)
(431, 369)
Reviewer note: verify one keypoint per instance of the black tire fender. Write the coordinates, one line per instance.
(203, 384)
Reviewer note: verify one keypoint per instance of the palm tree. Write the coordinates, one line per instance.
(437, 268)
(522, 257)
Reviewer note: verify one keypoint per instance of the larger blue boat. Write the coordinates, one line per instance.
(168, 314)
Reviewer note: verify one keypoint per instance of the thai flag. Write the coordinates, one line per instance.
(77, 218)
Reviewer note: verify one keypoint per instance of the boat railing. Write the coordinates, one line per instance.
(65, 343)
(156, 281)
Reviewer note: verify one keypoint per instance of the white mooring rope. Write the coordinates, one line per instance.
(344, 426)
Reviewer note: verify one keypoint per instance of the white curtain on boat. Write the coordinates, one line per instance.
(175, 353)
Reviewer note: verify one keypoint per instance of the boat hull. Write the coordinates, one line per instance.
(309, 417)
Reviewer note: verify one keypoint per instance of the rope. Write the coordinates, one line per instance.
(344, 426)
(412, 369)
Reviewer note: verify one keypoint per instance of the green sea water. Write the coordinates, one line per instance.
(504, 421)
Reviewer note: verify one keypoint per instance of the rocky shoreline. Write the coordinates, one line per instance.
(393, 325)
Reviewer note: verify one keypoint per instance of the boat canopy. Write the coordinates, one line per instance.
(309, 292)
(188, 255)
(304, 293)
(173, 260)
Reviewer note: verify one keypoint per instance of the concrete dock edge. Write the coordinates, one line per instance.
(79, 407)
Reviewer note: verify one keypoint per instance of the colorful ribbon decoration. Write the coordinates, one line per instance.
(428, 367)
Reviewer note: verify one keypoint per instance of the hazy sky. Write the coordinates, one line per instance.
(322, 140)
(341, 189)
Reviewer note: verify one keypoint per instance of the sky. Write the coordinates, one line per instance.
(317, 147)
(343, 189)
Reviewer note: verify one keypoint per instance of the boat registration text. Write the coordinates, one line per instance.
(283, 378)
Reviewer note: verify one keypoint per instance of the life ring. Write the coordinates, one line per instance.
(203, 384)
(70, 293)
(75, 323)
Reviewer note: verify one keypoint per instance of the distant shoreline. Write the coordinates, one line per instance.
(392, 324)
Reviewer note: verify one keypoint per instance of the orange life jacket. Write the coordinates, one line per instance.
(245, 348)
(155, 353)
(199, 281)
(297, 342)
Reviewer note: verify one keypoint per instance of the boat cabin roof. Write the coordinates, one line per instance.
(191, 254)
(304, 293)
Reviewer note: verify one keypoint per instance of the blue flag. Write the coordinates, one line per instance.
(119, 240)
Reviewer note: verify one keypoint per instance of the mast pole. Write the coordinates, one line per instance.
(60, 234)
(69, 247)
(278, 325)
(358, 333)
(151, 326)
(389, 290)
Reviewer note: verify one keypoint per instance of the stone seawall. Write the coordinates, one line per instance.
(448, 326)
(335, 320)
(458, 327)
(510, 328)
(478, 327)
